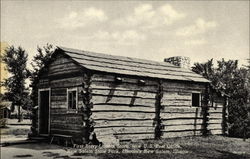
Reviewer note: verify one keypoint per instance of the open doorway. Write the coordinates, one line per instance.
(44, 104)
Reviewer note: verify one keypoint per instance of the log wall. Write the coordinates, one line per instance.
(127, 109)
(123, 111)
(178, 116)
(63, 120)
(217, 116)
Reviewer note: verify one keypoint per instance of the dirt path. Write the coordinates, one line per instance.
(38, 151)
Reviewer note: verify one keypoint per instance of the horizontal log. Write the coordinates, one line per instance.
(66, 126)
(110, 108)
(77, 121)
(72, 72)
(121, 89)
(61, 60)
(66, 112)
(58, 91)
(180, 115)
(58, 104)
(67, 82)
(61, 64)
(122, 115)
(126, 93)
(216, 132)
(62, 67)
(110, 78)
(180, 106)
(215, 115)
(135, 137)
(182, 90)
(67, 116)
(176, 102)
(59, 98)
(219, 121)
(115, 123)
(64, 75)
(122, 100)
(58, 110)
(167, 109)
(183, 127)
(119, 130)
(182, 122)
(188, 86)
(214, 126)
(176, 96)
(124, 86)
(181, 134)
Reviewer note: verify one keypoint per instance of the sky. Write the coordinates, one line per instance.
(151, 30)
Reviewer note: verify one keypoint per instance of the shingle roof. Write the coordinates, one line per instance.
(131, 66)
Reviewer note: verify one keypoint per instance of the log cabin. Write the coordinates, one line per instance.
(94, 96)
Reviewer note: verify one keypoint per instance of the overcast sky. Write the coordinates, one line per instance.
(151, 30)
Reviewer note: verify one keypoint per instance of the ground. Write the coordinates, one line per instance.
(212, 147)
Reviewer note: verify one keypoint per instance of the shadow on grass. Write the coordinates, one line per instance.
(23, 156)
(229, 155)
(57, 155)
(213, 153)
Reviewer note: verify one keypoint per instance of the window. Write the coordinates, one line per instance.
(196, 99)
(72, 98)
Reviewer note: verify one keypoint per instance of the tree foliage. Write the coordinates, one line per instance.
(16, 64)
(39, 61)
(228, 78)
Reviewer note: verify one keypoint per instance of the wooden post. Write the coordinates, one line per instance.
(205, 110)
(158, 107)
(86, 95)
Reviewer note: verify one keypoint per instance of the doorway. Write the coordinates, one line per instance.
(44, 104)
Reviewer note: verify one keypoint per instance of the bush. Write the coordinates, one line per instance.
(3, 123)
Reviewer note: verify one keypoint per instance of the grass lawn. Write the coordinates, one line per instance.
(213, 147)
(14, 131)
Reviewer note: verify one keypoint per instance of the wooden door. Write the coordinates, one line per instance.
(44, 112)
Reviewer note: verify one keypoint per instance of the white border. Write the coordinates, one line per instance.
(72, 89)
(40, 90)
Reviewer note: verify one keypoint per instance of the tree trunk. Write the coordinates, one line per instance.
(19, 113)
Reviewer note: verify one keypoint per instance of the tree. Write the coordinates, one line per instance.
(39, 61)
(234, 82)
(17, 93)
